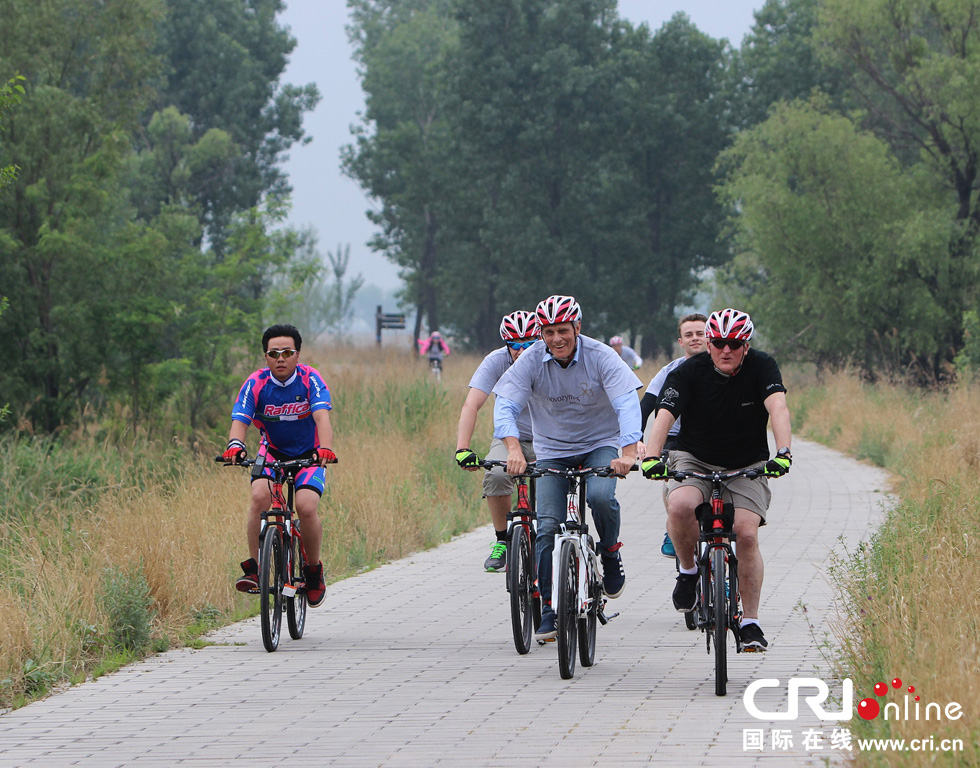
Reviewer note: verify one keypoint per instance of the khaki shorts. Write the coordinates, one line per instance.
(752, 494)
(496, 482)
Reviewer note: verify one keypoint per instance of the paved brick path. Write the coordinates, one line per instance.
(413, 665)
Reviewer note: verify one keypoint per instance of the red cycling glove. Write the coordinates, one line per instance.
(235, 452)
(325, 454)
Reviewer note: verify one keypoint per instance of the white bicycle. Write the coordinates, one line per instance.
(577, 586)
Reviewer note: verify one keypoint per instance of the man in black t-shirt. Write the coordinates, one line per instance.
(727, 396)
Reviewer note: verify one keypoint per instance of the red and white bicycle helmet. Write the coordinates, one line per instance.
(615, 340)
(729, 324)
(558, 309)
(519, 325)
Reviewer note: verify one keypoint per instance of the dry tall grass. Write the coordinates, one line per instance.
(396, 490)
(911, 598)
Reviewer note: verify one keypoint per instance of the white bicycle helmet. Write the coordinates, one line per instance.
(558, 309)
(729, 324)
(519, 325)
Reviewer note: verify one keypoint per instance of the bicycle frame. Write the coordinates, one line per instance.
(717, 551)
(716, 520)
(521, 581)
(575, 530)
(280, 515)
(282, 551)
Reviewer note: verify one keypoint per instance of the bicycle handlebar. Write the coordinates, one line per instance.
(533, 470)
(309, 461)
(751, 472)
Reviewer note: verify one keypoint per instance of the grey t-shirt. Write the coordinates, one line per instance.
(571, 408)
(495, 365)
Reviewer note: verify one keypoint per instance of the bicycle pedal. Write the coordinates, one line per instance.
(253, 591)
(289, 590)
(604, 619)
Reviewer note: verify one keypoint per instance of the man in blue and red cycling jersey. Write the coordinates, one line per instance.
(289, 404)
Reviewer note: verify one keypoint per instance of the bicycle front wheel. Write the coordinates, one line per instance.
(566, 592)
(521, 587)
(587, 626)
(270, 587)
(720, 609)
(296, 605)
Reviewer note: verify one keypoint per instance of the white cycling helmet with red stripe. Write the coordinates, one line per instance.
(729, 324)
(615, 340)
(519, 325)
(558, 309)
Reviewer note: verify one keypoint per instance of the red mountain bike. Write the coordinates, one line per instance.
(282, 556)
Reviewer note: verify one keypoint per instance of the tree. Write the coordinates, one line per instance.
(915, 67)
(678, 116)
(223, 62)
(405, 163)
(778, 60)
(10, 95)
(836, 273)
(87, 66)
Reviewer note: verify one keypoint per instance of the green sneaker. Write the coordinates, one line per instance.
(497, 562)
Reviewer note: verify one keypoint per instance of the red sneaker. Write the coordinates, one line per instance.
(249, 580)
(316, 589)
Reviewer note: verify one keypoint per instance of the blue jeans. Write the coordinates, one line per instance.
(550, 505)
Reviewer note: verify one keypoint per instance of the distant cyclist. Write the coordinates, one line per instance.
(690, 338)
(519, 330)
(628, 354)
(584, 411)
(727, 397)
(289, 404)
(434, 347)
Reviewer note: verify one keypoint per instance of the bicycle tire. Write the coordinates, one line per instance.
(270, 587)
(720, 628)
(296, 605)
(567, 610)
(587, 627)
(521, 587)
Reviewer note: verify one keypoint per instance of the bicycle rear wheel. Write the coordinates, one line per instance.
(566, 592)
(270, 587)
(296, 605)
(521, 587)
(587, 626)
(720, 610)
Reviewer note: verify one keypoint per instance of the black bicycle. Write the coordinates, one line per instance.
(522, 573)
(282, 556)
(718, 608)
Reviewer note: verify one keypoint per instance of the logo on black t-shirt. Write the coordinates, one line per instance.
(668, 396)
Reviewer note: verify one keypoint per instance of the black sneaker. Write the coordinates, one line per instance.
(548, 628)
(685, 592)
(753, 640)
(497, 562)
(316, 589)
(249, 580)
(613, 574)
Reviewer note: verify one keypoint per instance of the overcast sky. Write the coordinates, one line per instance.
(333, 204)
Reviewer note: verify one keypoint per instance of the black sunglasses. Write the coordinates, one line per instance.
(732, 344)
